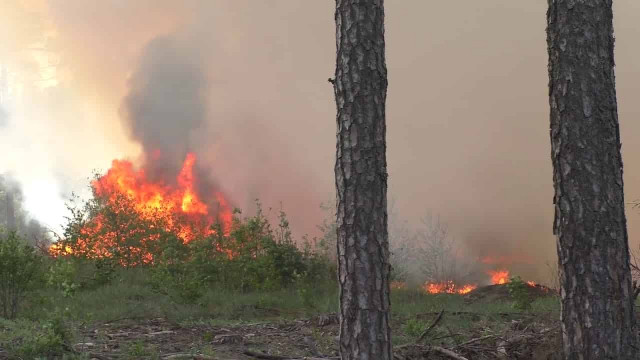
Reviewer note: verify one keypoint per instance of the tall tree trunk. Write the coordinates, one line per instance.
(598, 317)
(361, 180)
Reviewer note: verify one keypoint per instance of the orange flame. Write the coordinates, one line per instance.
(178, 209)
(531, 283)
(448, 287)
(499, 276)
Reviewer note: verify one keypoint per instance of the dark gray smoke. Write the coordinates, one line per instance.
(166, 104)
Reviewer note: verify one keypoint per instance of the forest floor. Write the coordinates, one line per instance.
(128, 320)
(469, 335)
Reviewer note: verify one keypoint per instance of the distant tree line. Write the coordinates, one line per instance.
(13, 216)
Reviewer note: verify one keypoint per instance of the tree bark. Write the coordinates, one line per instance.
(360, 87)
(590, 226)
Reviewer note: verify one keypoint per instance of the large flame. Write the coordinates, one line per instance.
(178, 209)
(499, 277)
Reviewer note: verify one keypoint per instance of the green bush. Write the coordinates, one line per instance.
(252, 256)
(24, 339)
(69, 274)
(414, 327)
(519, 291)
(20, 271)
(62, 276)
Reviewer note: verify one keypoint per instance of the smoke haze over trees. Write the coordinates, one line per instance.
(13, 216)
(467, 128)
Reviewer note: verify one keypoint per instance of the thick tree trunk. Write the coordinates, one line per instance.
(361, 180)
(597, 305)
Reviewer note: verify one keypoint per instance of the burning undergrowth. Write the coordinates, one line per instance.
(428, 257)
(129, 214)
(185, 233)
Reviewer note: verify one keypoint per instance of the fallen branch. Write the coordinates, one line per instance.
(448, 353)
(93, 355)
(279, 357)
(475, 340)
(504, 343)
(188, 356)
(433, 324)
(164, 332)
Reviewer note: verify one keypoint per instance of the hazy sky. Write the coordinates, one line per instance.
(467, 111)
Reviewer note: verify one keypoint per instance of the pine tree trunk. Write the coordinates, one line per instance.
(361, 180)
(598, 317)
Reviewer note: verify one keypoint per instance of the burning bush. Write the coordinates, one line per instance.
(132, 222)
(130, 217)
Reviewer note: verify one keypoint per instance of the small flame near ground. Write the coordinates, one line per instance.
(179, 208)
(448, 287)
(497, 277)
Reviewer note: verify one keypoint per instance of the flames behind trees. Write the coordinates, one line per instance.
(497, 277)
(429, 256)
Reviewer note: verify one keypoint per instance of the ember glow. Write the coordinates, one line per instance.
(499, 277)
(129, 194)
(447, 287)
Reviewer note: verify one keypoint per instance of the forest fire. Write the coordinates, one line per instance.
(448, 287)
(499, 277)
(137, 210)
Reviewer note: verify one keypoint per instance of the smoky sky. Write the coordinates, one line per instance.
(243, 83)
(4, 117)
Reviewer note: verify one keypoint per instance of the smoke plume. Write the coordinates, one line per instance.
(166, 104)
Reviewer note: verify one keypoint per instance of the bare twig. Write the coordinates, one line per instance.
(279, 357)
(99, 356)
(448, 353)
(435, 322)
(475, 340)
(188, 356)
(163, 332)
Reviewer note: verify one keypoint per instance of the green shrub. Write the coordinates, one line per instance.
(62, 275)
(519, 292)
(414, 327)
(69, 274)
(20, 271)
(24, 339)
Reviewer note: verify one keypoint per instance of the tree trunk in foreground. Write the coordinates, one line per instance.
(361, 180)
(598, 319)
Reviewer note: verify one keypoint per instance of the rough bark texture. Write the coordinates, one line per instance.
(597, 305)
(361, 180)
